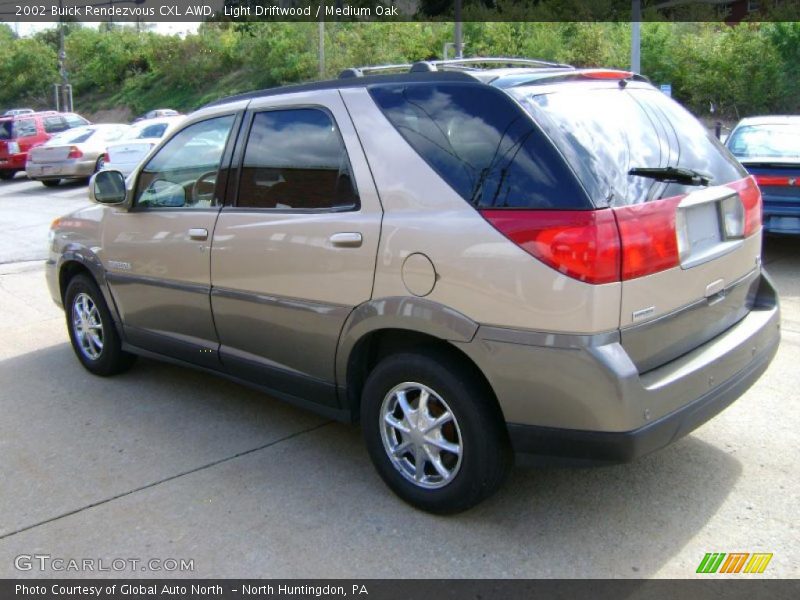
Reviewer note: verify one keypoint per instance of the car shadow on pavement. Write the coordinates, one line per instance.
(155, 459)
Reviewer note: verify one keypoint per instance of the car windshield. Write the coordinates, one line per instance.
(142, 131)
(73, 136)
(774, 140)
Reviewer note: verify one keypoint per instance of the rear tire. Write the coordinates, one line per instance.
(98, 166)
(92, 332)
(464, 459)
(6, 174)
(50, 182)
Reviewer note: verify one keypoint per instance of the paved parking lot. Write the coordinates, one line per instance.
(163, 462)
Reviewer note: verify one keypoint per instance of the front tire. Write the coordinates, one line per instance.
(50, 182)
(92, 332)
(434, 432)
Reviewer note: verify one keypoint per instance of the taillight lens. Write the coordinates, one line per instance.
(648, 235)
(581, 244)
(74, 152)
(106, 158)
(607, 74)
(751, 200)
(774, 180)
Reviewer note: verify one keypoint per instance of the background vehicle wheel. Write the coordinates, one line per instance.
(6, 174)
(98, 166)
(92, 331)
(434, 432)
(51, 182)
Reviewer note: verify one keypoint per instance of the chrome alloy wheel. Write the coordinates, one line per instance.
(87, 326)
(420, 435)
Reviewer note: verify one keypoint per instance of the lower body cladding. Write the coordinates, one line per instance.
(71, 169)
(582, 399)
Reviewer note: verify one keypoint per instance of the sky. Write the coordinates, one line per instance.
(24, 28)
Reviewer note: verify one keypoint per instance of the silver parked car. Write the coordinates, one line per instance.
(477, 263)
(73, 154)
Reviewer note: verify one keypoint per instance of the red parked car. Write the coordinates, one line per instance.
(20, 133)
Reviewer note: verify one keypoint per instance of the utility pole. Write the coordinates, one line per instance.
(636, 35)
(458, 35)
(65, 104)
(322, 47)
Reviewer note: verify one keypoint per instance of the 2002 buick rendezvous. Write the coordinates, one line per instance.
(476, 263)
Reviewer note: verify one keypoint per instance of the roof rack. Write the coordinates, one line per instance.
(427, 66)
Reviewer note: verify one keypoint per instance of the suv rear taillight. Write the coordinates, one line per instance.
(648, 236)
(626, 242)
(751, 200)
(74, 152)
(581, 244)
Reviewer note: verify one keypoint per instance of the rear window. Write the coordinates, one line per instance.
(482, 144)
(13, 129)
(604, 133)
(774, 140)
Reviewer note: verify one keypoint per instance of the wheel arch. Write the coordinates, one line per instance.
(76, 261)
(379, 328)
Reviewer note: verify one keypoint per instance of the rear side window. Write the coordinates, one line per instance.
(13, 129)
(55, 124)
(295, 159)
(482, 144)
(604, 133)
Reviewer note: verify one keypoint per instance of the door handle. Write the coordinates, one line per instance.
(198, 234)
(346, 240)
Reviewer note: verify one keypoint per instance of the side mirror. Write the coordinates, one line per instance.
(108, 187)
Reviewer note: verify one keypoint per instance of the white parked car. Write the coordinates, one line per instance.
(127, 153)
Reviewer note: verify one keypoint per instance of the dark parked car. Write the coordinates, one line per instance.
(769, 147)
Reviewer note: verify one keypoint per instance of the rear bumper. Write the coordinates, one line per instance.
(14, 162)
(781, 214)
(531, 442)
(582, 398)
(76, 169)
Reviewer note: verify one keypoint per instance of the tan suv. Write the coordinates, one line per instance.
(478, 263)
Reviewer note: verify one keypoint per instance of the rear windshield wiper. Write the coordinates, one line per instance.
(673, 175)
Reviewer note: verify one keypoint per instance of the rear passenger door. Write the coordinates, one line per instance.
(294, 248)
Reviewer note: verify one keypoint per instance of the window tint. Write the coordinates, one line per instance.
(184, 172)
(20, 128)
(482, 145)
(75, 120)
(295, 159)
(55, 124)
(604, 133)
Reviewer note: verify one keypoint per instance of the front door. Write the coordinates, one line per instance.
(296, 252)
(157, 254)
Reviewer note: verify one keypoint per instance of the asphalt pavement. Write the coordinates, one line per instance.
(168, 464)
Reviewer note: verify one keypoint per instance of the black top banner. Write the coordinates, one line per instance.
(131, 11)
